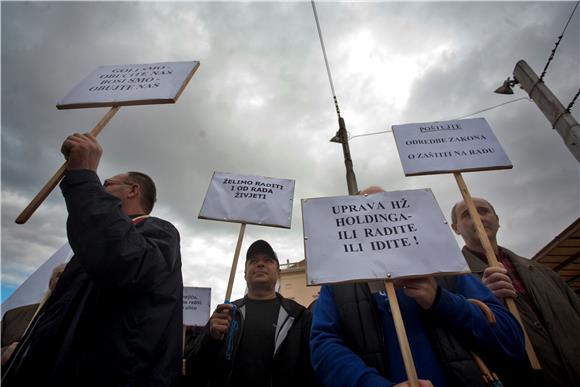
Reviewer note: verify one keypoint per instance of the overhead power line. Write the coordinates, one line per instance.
(573, 101)
(558, 43)
(453, 118)
(325, 58)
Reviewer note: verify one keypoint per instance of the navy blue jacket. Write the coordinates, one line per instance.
(337, 363)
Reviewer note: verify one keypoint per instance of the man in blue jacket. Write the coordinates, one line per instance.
(115, 316)
(354, 342)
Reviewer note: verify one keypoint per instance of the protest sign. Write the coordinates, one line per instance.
(455, 147)
(196, 306)
(384, 235)
(449, 146)
(249, 199)
(493, 262)
(118, 86)
(130, 84)
(35, 287)
(244, 199)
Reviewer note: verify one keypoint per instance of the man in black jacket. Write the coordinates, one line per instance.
(269, 344)
(115, 316)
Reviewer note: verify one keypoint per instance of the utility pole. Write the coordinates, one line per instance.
(561, 119)
(342, 137)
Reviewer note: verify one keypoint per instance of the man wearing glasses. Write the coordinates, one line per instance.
(115, 316)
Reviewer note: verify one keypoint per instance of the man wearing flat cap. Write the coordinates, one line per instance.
(269, 342)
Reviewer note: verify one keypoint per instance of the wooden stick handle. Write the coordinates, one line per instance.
(183, 359)
(492, 261)
(235, 262)
(489, 253)
(402, 335)
(49, 186)
(534, 362)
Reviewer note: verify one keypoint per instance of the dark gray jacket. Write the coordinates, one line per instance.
(551, 318)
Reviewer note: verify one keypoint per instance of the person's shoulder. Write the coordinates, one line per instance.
(156, 220)
(155, 223)
(292, 306)
(514, 256)
(526, 262)
(20, 311)
(239, 301)
(473, 260)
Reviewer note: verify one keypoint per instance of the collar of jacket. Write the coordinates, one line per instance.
(286, 316)
(138, 218)
(476, 264)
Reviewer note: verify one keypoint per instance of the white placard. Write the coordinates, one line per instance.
(196, 304)
(249, 199)
(131, 84)
(384, 235)
(34, 287)
(449, 146)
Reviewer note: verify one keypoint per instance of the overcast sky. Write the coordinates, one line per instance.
(261, 104)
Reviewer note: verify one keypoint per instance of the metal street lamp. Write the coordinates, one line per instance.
(560, 117)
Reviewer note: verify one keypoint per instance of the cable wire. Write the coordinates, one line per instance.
(368, 134)
(486, 109)
(573, 101)
(325, 58)
(557, 43)
(463, 116)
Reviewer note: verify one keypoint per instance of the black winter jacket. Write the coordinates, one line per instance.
(115, 316)
(207, 364)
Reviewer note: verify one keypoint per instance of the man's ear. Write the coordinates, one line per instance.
(135, 191)
(454, 227)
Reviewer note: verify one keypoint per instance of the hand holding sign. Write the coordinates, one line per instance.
(423, 290)
(220, 321)
(385, 235)
(118, 86)
(246, 199)
(53, 181)
(81, 151)
(456, 146)
(496, 279)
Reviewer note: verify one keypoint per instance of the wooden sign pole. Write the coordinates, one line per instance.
(183, 359)
(49, 186)
(235, 262)
(402, 335)
(492, 261)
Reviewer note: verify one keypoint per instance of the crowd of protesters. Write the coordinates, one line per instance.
(115, 316)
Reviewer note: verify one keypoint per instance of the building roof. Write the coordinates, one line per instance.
(562, 255)
(293, 266)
